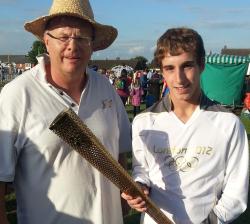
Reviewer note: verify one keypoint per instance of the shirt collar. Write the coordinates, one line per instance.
(43, 61)
(168, 103)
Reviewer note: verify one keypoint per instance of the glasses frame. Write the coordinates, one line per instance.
(67, 39)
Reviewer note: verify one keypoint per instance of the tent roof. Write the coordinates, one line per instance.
(226, 59)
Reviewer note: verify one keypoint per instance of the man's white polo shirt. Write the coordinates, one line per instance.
(53, 183)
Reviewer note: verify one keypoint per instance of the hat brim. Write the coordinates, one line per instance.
(104, 34)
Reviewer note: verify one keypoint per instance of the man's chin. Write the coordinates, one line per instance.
(73, 69)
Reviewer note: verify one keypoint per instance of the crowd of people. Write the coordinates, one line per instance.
(136, 87)
(190, 154)
(9, 72)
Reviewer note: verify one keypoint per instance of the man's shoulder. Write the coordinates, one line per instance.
(99, 84)
(97, 77)
(20, 82)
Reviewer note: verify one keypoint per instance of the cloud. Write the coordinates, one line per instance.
(136, 50)
(8, 1)
(162, 1)
(11, 24)
(239, 11)
(126, 50)
(9, 44)
(153, 48)
(225, 24)
(199, 10)
(209, 12)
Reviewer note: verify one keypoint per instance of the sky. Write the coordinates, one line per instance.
(139, 22)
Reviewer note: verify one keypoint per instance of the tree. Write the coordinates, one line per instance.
(154, 64)
(141, 63)
(38, 47)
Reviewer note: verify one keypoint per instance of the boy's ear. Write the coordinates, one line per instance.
(202, 65)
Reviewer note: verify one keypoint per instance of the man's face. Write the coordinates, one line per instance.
(182, 74)
(72, 56)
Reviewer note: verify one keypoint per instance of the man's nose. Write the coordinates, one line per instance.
(72, 44)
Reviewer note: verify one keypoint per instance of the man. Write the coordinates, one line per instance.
(190, 154)
(53, 183)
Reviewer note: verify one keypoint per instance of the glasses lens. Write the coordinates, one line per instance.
(66, 39)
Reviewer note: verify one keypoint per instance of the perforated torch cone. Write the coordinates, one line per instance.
(68, 126)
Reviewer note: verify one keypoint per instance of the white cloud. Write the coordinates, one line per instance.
(136, 50)
(8, 1)
(238, 10)
(126, 50)
(227, 24)
(153, 48)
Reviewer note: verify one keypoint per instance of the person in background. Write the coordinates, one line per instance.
(137, 74)
(149, 99)
(144, 84)
(53, 183)
(121, 85)
(112, 78)
(150, 73)
(136, 93)
(165, 89)
(190, 154)
(154, 85)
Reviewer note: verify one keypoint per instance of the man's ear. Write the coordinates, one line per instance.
(46, 40)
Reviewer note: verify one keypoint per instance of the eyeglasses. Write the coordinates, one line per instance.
(85, 41)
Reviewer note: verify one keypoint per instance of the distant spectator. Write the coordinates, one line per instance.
(144, 85)
(149, 99)
(94, 68)
(137, 75)
(121, 85)
(165, 89)
(149, 74)
(136, 93)
(112, 78)
(154, 85)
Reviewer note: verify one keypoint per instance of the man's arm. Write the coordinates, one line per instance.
(3, 217)
(123, 161)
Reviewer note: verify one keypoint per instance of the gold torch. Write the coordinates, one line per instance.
(68, 126)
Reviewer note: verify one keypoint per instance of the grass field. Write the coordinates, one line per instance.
(133, 217)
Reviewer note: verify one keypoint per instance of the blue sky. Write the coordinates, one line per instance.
(139, 22)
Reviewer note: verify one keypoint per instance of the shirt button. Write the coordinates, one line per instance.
(61, 93)
(73, 105)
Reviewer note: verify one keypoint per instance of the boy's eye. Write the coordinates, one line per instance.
(169, 68)
(191, 65)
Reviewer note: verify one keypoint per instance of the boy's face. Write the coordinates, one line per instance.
(182, 74)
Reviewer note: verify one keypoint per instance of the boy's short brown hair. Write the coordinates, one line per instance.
(178, 40)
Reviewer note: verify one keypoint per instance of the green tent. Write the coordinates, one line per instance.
(224, 77)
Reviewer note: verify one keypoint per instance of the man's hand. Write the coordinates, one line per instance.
(136, 202)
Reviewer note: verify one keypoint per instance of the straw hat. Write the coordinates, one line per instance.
(104, 34)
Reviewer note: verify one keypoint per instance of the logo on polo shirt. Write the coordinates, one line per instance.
(106, 103)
